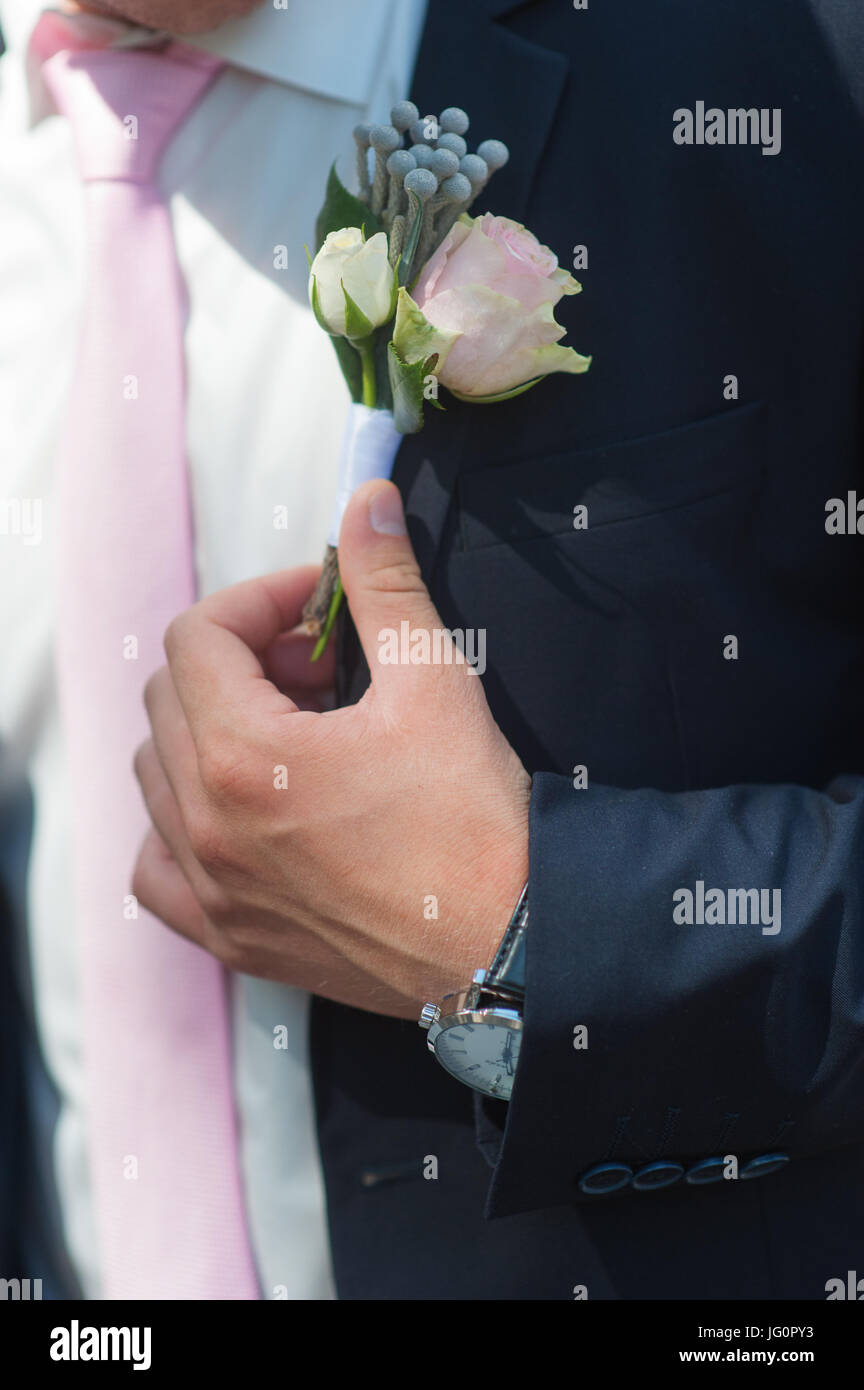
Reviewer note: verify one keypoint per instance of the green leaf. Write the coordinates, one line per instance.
(342, 209)
(316, 308)
(352, 368)
(499, 395)
(357, 326)
(406, 383)
(415, 337)
(381, 344)
(415, 225)
(394, 297)
(349, 358)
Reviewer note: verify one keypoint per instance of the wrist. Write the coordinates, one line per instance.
(488, 898)
(476, 1032)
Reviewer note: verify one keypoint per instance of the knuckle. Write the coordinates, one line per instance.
(150, 689)
(175, 634)
(214, 903)
(226, 942)
(210, 843)
(141, 760)
(225, 773)
(169, 641)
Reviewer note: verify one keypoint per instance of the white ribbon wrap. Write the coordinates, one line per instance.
(369, 448)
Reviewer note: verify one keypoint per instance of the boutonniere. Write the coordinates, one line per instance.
(416, 295)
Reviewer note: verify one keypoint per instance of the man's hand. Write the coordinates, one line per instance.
(371, 854)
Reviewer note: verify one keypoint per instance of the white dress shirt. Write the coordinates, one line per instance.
(266, 405)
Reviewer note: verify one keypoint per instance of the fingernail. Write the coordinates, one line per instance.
(385, 513)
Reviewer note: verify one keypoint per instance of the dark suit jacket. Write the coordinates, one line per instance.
(606, 648)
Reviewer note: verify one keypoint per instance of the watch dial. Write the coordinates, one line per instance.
(483, 1055)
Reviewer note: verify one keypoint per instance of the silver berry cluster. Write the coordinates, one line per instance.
(422, 177)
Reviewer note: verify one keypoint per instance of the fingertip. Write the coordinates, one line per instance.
(287, 662)
(374, 511)
(386, 513)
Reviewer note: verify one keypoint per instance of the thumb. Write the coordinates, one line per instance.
(383, 585)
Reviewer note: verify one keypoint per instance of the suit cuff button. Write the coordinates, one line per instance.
(653, 1176)
(705, 1171)
(604, 1178)
(762, 1166)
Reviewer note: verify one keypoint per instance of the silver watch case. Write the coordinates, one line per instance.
(464, 1007)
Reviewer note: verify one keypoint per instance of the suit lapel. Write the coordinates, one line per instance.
(511, 89)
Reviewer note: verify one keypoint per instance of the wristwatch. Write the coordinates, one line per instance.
(476, 1033)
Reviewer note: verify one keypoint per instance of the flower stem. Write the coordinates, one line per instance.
(316, 609)
(335, 603)
(330, 585)
(367, 361)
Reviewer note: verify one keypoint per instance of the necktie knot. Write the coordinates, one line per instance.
(124, 105)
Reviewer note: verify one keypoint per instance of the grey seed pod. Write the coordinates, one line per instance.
(443, 163)
(475, 169)
(422, 155)
(400, 163)
(450, 200)
(495, 152)
(384, 139)
(454, 143)
(454, 119)
(423, 183)
(456, 189)
(361, 135)
(403, 114)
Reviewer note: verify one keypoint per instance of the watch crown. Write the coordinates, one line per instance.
(429, 1014)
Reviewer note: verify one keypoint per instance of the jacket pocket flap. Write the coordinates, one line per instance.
(615, 482)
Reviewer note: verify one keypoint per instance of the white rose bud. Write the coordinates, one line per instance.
(349, 268)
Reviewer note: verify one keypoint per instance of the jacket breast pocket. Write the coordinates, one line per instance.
(585, 489)
(600, 637)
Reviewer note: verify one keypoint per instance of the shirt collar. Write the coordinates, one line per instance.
(336, 57)
(333, 49)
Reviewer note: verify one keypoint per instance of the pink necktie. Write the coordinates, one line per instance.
(164, 1158)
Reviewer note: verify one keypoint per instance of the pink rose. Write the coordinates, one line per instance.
(491, 287)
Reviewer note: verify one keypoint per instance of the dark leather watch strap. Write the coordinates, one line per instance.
(507, 970)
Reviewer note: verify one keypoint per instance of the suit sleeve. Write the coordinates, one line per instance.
(701, 1040)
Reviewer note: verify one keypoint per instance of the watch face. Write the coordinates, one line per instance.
(482, 1050)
